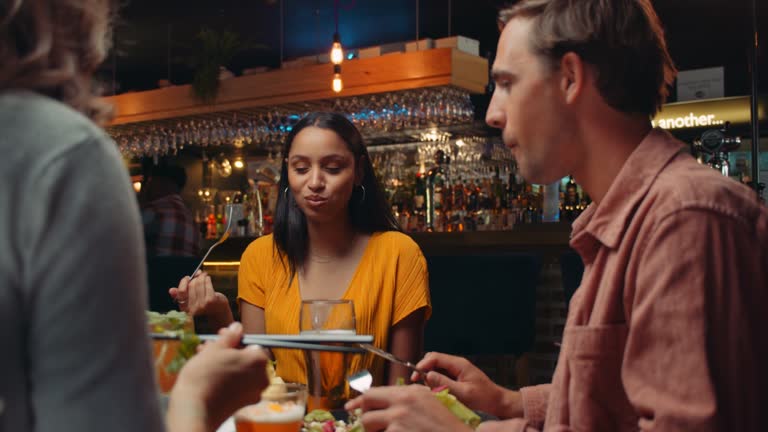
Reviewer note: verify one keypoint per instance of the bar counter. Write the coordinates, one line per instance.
(547, 239)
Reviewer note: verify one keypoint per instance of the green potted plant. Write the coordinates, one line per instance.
(217, 49)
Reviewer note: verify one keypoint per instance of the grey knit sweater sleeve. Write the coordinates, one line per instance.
(72, 277)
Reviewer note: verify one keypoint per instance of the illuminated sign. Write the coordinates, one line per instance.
(707, 113)
(691, 120)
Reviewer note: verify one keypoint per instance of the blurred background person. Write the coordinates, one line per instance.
(170, 233)
(72, 272)
(169, 226)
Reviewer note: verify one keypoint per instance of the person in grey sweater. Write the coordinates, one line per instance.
(75, 352)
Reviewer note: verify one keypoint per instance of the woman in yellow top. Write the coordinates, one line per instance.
(334, 238)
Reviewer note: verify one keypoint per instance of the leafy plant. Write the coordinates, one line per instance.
(217, 49)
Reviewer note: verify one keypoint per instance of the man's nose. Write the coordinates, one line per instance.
(494, 117)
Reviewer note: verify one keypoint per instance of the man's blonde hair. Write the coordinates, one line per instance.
(622, 39)
(53, 47)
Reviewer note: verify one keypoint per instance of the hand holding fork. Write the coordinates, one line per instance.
(195, 294)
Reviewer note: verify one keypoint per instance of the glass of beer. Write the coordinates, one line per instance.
(327, 371)
(281, 409)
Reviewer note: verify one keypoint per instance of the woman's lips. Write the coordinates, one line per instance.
(315, 201)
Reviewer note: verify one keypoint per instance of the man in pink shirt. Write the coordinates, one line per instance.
(666, 331)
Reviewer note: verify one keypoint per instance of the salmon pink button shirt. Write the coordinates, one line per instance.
(669, 328)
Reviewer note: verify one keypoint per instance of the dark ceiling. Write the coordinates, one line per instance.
(156, 39)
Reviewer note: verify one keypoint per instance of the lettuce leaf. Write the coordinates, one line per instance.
(458, 409)
(187, 348)
(319, 415)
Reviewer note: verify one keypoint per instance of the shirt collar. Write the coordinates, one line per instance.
(608, 221)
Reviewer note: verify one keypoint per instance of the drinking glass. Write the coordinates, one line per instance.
(164, 351)
(281, 409)
(327, 317)
(327, 371)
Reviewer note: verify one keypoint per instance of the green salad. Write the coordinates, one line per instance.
(171, 321)
(324, 421)
(180, 323)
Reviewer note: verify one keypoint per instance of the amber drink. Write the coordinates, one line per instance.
(281, 409)
(327, 371)
(165, 351)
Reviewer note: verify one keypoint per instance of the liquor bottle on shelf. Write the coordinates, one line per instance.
(435, 180)
(473, 195)
(446, 195)
(457, 195)
(239, 216)
(211, 232)
(397, 200)
(513, 190)
(485, 194)
(438, 185)
(419, 193)
(528, 203)
(498, 190)
(571, 201)
(221, 221)
(200, 222)
(550, 202)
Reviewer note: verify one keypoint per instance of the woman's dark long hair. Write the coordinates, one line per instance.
(369, 212)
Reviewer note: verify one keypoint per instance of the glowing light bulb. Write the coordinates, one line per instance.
(337, 54)
(239, 164)
(337, 84)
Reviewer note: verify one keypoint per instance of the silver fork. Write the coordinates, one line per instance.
(389, 356)
(218, 242)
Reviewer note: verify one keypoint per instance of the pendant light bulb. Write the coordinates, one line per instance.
(337, 54)
(337, 84)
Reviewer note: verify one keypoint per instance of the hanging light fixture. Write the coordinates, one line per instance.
(337, 84)
(337, 54)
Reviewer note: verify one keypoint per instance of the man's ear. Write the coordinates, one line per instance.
(573, 76)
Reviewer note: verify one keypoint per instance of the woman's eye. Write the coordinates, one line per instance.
(301, 170)
(333, 170)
